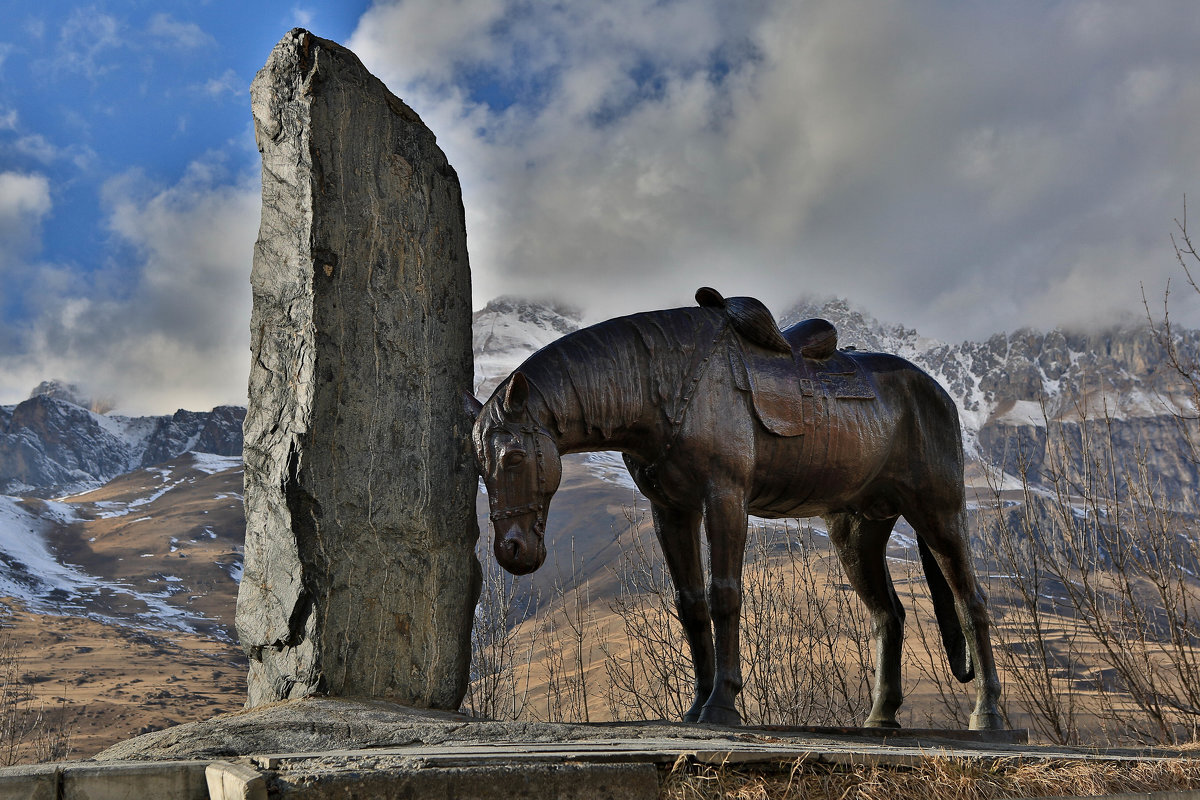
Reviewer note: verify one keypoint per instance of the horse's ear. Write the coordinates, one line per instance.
(471, 405)
(709, 297)
(516, 394)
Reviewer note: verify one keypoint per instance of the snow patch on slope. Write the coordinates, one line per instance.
(31, 574)
(211, 463)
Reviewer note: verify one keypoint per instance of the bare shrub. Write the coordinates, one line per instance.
(649, 671)
(499, 657)
(1037, 636)
(806, 638)
(806, 644)
(567, 632)
(1097, 549)
(29, 732)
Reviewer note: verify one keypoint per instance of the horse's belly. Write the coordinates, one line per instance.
(843, 447)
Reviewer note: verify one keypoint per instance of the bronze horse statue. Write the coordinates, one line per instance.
(719, 415)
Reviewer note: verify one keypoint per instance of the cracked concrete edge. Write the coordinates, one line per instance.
(39, 782)
(228, 781)
(181, 780)
(224, 780)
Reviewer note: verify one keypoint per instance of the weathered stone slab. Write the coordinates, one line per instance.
(360, 577)
(228, 781)
(529, 781)
(37, 782)
(182, 780)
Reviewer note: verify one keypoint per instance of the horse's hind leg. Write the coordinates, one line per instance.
(725, 520)
(862, 547)
(679, 534)
(946, 536)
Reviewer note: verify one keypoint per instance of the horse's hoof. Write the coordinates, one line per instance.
(881, 723)
(987, 721)
(718, 715)
(693, 713)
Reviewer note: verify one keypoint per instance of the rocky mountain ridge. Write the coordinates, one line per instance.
(1029, 399)
(52, 444)
(1016, 393)
(1024, 397)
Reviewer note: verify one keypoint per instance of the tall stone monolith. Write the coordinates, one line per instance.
(360, 577)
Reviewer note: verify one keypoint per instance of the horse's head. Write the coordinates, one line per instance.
(520, 465)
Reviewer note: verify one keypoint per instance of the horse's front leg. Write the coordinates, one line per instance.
(725, 520)
(679, 535)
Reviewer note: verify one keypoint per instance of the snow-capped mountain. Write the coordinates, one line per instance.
(1008, 389)
(508, 329)
(159, 547)
(54, 444)
(1014, 389)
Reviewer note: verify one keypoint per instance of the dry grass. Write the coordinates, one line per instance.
(104, 683)
(933, 779)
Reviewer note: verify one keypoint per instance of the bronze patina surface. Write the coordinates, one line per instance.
(719, 415)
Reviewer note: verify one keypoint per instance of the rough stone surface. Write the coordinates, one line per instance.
(360, 577)
(309, 725)
(508, 782)
(342, 747)
(335, 727)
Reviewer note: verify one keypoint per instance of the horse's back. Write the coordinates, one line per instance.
(863, 421)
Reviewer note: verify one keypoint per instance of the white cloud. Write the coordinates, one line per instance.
(962, 168)
(174, 33)
(24, 202)
(8, 120)
(86, 39)
(302, 17)
(36, 146)
(435, 36)
(227, 82)
(35, 28)
(170, 330)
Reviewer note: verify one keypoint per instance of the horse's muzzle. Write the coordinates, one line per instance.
(519, 552)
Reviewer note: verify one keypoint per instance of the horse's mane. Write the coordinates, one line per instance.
(622, 365)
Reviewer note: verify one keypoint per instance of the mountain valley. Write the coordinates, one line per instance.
(121, 538)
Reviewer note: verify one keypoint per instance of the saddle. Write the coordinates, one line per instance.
(784, 371)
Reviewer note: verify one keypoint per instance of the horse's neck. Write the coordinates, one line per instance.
(630, 429)
(603, 398)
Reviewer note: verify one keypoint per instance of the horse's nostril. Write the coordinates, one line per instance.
(513, 546)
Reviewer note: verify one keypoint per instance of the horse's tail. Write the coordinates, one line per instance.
(947, 617)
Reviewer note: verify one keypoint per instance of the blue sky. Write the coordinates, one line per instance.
(960, 167)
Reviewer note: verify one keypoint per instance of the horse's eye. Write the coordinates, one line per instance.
(514, 458)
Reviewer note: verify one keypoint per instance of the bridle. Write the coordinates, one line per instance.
(537, 506)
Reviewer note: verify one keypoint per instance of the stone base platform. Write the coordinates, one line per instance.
(323, 747)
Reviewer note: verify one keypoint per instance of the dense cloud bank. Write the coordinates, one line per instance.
(959, 168)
